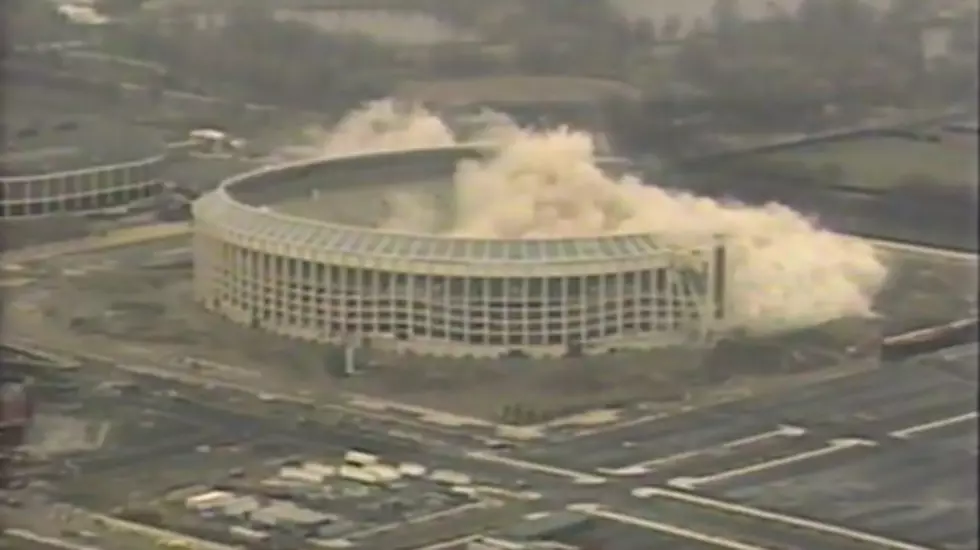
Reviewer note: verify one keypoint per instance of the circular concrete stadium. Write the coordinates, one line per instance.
(75, 166)
(290, 249)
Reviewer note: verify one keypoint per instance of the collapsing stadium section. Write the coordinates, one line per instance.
(440, 294)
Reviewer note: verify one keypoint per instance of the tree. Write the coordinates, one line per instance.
(963, 39)
(726, 17)
(643, 34)
(671, 28)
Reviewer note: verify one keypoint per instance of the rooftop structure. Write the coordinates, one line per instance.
(54, 165)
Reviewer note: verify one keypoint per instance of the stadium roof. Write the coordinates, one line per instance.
(55, 144)
(355, 241)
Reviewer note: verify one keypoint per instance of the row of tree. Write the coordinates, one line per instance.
(831, 48)
(839, 52)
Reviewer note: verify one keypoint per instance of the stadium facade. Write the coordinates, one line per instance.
(45, 172)
(436, 295)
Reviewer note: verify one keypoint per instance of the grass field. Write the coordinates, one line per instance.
(881, 162)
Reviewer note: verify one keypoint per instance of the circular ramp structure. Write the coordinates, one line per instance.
(75, 166)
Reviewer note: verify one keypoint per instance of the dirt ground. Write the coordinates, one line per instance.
(923, 291)
(16, 234)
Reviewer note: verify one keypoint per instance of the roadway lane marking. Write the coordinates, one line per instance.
(462, 509)
(836, 445)
(506, 493)
(673, 530)
(172, 537)
(48, 541)
(643, 468)
(941, 423)
(960, 352)
(713, 402)
(859, 536)
(580, 478)
(605, 429)
(452, 544)
(895, 246)
(40, 357)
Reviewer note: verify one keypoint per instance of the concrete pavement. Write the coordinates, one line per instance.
(29, 540)
(869, 404)
(891, 452)
(765, 528)
(845, 451)
(114, 239)
(721, 528)
(783, 471)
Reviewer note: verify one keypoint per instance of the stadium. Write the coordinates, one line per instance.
(302, 250)
(44, 171)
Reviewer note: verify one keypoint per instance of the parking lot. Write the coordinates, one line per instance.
(321, 500)
(891, 451)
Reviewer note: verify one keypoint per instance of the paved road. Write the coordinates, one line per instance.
(904, 477)
(921, 489)
(890, 452)
(195, 416)
(720, 528)
(869, 404)
(174, 247)
(125, 237)
(849, 452)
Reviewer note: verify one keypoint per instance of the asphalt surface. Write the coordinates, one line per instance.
(127, 257)
(10, 542)
(198, 416)
(722, 527)
(905, 469)
(916, 487)
(888, 453)
(866, 404)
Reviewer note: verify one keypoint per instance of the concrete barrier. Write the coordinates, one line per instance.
(930, 339)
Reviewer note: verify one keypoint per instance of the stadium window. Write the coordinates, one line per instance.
(35, 208)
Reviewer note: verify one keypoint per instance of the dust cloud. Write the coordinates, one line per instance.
(787, 272)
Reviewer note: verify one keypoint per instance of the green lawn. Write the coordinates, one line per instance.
(880, 162)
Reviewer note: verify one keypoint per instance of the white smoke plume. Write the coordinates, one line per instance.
(788, 273)
(390, 125)
(379, 125)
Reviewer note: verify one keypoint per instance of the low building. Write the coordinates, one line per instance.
(288, 516)
(241, 507)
